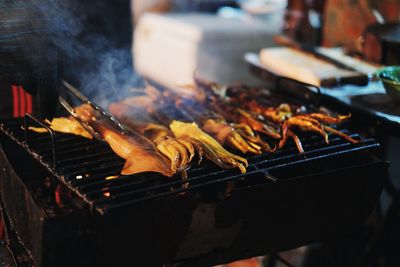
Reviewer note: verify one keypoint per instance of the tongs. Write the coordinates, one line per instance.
(103, 114)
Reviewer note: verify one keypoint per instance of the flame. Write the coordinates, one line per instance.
(111, 177)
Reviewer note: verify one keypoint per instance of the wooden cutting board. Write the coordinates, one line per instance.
(305, 67)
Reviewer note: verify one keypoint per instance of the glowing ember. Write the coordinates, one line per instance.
(112, 177)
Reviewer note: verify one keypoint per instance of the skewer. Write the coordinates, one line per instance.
(71, 111)
(74, 91)
(103, 113)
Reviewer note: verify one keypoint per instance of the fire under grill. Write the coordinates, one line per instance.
(286, 199)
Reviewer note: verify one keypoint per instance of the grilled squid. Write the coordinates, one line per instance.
(139, 152)
(212, 149)
(239, 136)
(256, 109)
(180, 151)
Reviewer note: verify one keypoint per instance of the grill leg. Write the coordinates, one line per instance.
(12, 254)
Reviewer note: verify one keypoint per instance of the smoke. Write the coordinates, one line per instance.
(113, 79)
(93, 40)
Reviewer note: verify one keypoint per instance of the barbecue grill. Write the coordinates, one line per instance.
(68, 205)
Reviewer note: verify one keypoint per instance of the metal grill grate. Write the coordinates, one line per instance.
(83, 166)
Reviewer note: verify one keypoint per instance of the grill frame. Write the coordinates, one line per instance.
(61, 143)
(269, 210)
(254, 220)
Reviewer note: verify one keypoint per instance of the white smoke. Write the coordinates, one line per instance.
(85, 34)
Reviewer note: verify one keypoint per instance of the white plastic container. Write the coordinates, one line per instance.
(169, 48)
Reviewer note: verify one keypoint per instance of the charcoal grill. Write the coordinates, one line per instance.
(62, 203)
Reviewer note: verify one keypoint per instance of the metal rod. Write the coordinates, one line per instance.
(75, 91)
(28, 117)
(72, 112)
(95, 106)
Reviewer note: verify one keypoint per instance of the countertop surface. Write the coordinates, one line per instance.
(371, 98)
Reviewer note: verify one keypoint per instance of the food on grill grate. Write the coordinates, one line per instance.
(176, 142)
(232, 109)
(64, 125)
(284, 200)
(236, 134)
(213, 150)
(175, 125)
(239, 136)
(257, 125)
(255, 110)
(160, 108)
(308, 123)
(279, 185)
(139, 152)
(180, 151)
(289, 121)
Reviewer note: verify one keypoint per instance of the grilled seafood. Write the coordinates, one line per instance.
(277, 115)
(64, 125)
(307, 122)
(218, 101)
(213, 150)
(257, 125)
(203, 144)
(239, 136)
(139, 152)
(256, 110)
(180, 151)
(167, 129)
(314, 122)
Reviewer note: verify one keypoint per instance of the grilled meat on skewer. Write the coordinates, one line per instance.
(180, 125)
(180, 151)
(236, 135)
(212, 149)
(139, 152)
(202, 142)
